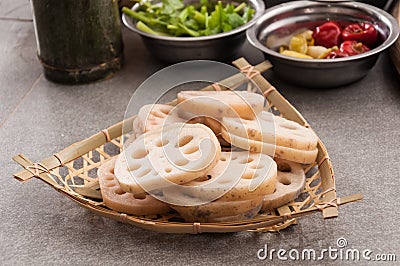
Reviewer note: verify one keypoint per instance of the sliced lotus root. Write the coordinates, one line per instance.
(238, 217)
(118, 200)
(214, 124)
(137, 126)
(175, 154)
(291, 182)
(218, 104)
(134, 134)
(237, 175)
(155, 116)
(220, 210)
(273, 130)
(131, 139)
(291, 154)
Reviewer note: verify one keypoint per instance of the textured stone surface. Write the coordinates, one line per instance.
(19, 67)
(359, 125)
(13, 9)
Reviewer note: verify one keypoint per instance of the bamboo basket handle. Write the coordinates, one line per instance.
(76, 150)
(272, 94)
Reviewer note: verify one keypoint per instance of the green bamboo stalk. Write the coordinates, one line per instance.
(78, 41)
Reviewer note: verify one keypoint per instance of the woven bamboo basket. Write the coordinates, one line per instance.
(72, 172)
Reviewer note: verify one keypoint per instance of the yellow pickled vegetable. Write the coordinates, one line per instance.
(298, 43)
(308, 35)
(316, 51)
(295, 54)
(283, 48)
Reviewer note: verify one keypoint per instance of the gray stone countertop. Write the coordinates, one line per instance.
(359, 124)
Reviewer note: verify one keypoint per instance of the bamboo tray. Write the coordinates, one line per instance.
(72, 172)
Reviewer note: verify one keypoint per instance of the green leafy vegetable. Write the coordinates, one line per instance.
(170, 6)
(174, 18)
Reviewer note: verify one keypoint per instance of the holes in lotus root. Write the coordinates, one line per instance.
(191, 150)
(257, 166)
(181, 162)
(140, 196)
(156, 114)
(185, 140)
(203, 178)
(110, 184)
(285, 181)
(249, 175)
(139, 154)
(176, 219)
(161, 143)
(143, 173)
(284, 167)
(288, 126)
(165, 111)
(246, 160)
(119, 191)
(133, 167)
(111, 171)
(109, 178)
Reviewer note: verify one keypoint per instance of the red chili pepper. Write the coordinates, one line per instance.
(361, 32)
(353, 48)
(327, 34)
(335, 53)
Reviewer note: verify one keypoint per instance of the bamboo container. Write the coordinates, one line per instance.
(70, 172)
(78, 41)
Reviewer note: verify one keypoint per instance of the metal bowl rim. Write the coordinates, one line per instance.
(259, 8)
(393, 34)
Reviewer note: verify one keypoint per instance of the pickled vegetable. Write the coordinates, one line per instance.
(295, 54)
(326, 41)
(298, 44)
(316, 51)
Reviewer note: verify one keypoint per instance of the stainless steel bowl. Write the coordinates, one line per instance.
(278, 23)
(220, 47)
